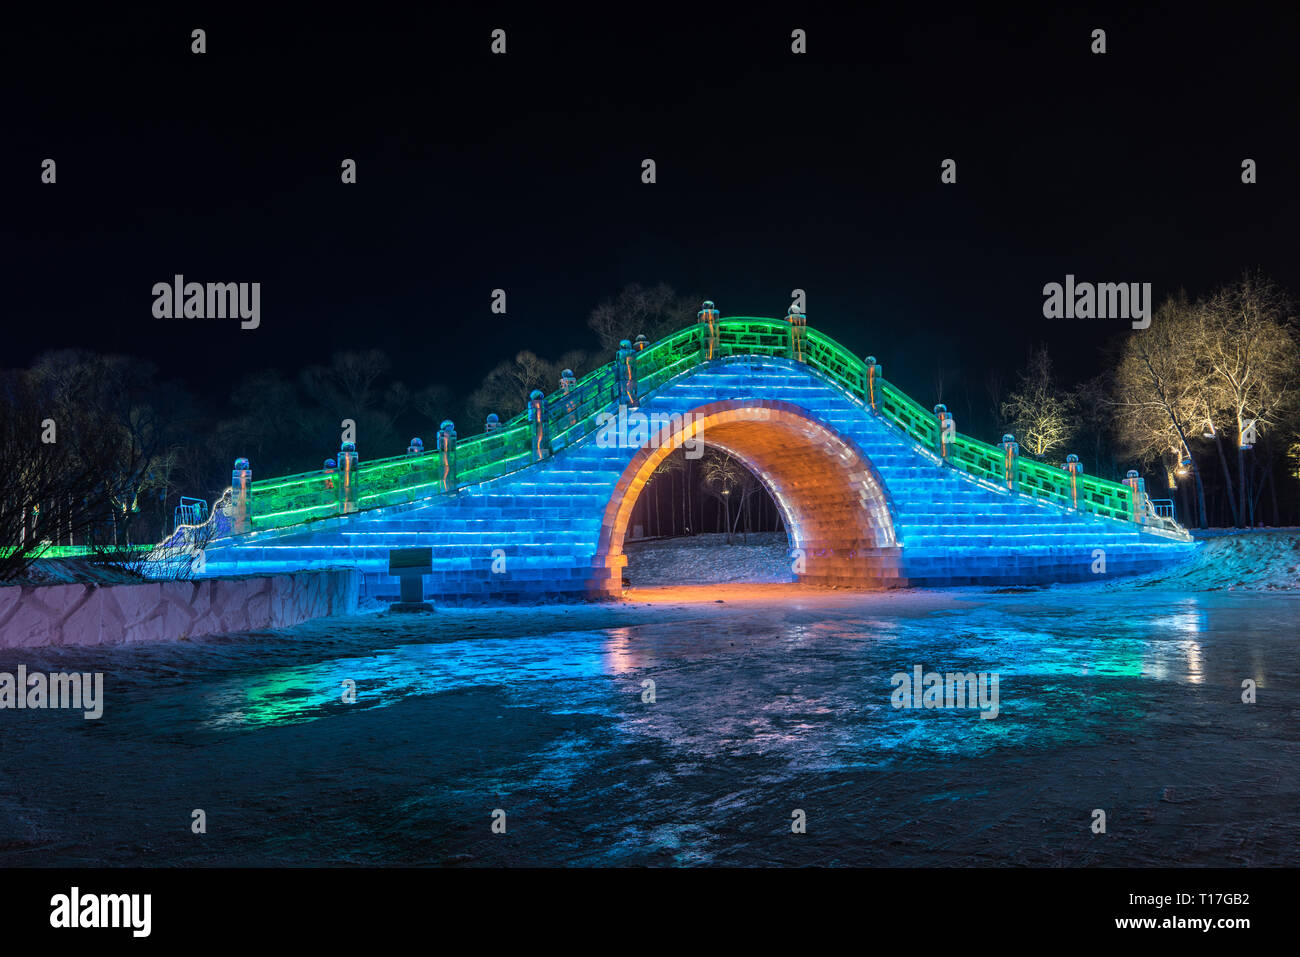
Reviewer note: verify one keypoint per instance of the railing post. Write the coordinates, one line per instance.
(708, 316)
(946, 427)
(625, 360)
(493, 422)
(567, 381)
(328, 468)
(1137, 492)
(1010, 456)
(1075, 468)
(873, 373)
(798, 329)
(420, 471)
(447, 454)
(241, 481)
(537, 419)
(348, 477)
(641, 343)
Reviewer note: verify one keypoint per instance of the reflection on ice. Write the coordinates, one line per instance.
(384, 677)
(814, 690)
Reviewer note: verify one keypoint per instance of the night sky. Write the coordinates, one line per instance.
(523, 172)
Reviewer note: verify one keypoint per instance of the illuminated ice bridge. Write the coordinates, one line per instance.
(875, 489)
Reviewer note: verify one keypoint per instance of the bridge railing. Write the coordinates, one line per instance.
(292, 500)
(571, 415)
(1089, 493)
(564, 417)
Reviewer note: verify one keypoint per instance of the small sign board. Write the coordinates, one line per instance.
(413, 561)
(410, 565)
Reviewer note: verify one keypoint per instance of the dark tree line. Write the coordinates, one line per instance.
(83, 443)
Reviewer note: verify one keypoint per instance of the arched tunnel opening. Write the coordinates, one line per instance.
(807, 491)
(705, 519)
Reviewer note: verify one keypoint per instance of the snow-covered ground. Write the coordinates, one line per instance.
(69, 571)
(708, 559)
(1257, 560)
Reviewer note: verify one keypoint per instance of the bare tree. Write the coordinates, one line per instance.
(1037, 411)
(729, 483)
(434, 403)
(994, 392)
(272, 427)
(356, 386)
(667, 470)
(1245, 341)
(1157, 395)
(677, 468)
(1094, 423)
(75, 443)
(1224, 366)
(506, 388)
(653, 312)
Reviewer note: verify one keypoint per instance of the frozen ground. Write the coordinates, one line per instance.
(768, 699)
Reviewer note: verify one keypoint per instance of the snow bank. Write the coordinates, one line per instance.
(1249, 560)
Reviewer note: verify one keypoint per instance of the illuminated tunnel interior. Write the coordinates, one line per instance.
(830, 499)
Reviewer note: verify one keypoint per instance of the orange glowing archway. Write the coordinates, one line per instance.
(831, 498)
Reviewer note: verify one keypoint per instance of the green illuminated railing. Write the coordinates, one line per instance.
(76, 551)
(567, 417)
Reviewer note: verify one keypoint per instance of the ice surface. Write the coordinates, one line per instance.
(1127, 700)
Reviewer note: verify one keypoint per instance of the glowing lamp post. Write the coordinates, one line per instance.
(708, 317)
(625, 361)
(537, 419)
(873, 373)
(1075, 468)
(946, 427)
(567, 383)
(447, 454)
(1010, 453)
(419, 472)
(348, 477)
(798, 331)
(241, 482)
(1137, 492)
